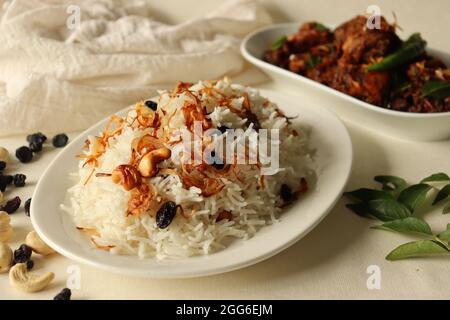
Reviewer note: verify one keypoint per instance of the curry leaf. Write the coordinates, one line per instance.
(437, 89)
(365, 194)
(321, 27)
(442, 194)
(445, 235)
(361, 209)
(416, 249)
(391, 182)
(437, 177)
(407, 225)
(278, 43)
(414, 196)
(388, 209)
(446, 209)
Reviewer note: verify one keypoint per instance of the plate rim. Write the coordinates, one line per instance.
(192, 274)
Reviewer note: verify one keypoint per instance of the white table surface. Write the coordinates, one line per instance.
(331, 261)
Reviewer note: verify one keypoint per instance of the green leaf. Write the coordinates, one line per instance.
(387, 209)
(436, 89)
(444, 235)
(321, 27)
(414, 196)
(361, 209)
(421, 248)
(437, 177)
(312, 61)
(391, 182)
(446, 209)
(442, 194)
(407, 225)
(277, 44)
(365, 194)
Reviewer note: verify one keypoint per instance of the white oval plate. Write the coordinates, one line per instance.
(409, 126)
(334, 160)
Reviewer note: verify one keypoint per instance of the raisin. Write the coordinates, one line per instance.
(151, 104)
(286, 193)
(223, 129)
(11, 206)
(38, 137)
(165, 214)
(65, 294)
(4, 182)
(27, 207)
(36, 147)
(215, 164)
(2, 165)
(19, 180)
(30, 265)
(23, 254)
(24, 154)
(60, 140)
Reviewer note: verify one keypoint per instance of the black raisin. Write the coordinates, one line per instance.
(27, 207)
(19, 180)
(286, 193)
(23, 254)
(60, 140)
(165, 214)
(4, 182)
(38, 137)
(2, 165)
(223, 129)
(36, 147)
(65, 294)
(11, 206)
(151, 104)
(24, 154)
(30, 265)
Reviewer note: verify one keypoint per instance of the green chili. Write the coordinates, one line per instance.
(410, 50)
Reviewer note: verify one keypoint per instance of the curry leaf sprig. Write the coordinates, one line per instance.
(396, 205)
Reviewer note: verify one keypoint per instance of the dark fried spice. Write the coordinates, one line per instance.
(165, 214)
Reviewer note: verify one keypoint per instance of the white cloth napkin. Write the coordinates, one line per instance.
(53, 78)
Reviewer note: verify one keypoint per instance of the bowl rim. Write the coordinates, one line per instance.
(263, 64)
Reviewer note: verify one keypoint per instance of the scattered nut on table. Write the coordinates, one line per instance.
(37, 245)
(6, 257)
(4, 155)
(22, 280)
(5, 227)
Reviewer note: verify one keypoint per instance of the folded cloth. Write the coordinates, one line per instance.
(66, 64)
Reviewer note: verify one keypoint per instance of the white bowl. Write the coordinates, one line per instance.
(333, 158)
(410, 126)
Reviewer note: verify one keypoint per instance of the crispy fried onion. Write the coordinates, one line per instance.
(98, 147)
(146, 117)
(193, 177)
(92, 232)
(142, 200)
(126, 175)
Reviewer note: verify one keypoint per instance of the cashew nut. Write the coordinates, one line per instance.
(4, 155)
(6, 257)
(20, 279)
(147, 165)
(5, 227)
(37, 245)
